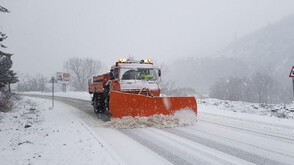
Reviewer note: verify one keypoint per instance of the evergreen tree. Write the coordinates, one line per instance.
(7, 75)
(3, 10)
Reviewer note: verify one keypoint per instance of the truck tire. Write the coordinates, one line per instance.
(106, 101)
(98, 103)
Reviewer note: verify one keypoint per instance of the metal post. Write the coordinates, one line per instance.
(52, 79)
(293, 85)
(64, 88)
(292, 75)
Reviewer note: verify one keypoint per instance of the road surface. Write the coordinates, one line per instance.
(215, 139)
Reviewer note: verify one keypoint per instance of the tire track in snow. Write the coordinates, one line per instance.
(247, 120)
(279, 130)
(193, 153)
(232, 139)
(271, 135)
(147, 142)
(250, 157)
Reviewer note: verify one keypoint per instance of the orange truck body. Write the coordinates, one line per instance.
(120, 94)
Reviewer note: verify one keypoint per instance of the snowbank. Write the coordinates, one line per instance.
(183, 117)
(272, 110)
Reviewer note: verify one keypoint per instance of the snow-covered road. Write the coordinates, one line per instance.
(217, 138)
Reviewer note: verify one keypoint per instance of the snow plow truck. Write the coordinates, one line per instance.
(132, 89)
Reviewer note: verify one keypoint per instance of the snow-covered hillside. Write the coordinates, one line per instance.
(268, 48)
(268, 51)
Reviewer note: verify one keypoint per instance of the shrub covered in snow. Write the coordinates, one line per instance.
(7, 100)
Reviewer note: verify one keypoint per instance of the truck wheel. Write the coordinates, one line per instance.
(95, 104)
(98, 103)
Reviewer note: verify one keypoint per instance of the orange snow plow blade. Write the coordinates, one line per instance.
(125, 104)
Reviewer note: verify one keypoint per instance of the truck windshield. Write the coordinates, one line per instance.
(149, 74)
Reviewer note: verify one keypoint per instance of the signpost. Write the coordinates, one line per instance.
(52, 81)
(292, 76)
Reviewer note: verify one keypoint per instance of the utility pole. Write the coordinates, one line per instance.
(64, 88)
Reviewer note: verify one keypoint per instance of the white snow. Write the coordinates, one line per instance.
(184, 117)
(35, 134)
(69, 94)
(272, 110)
(250, 131)
(132, 152)
(197, 152)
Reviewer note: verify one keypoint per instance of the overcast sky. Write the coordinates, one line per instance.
(45, 33)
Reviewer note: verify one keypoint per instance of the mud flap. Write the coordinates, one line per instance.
(125, 104)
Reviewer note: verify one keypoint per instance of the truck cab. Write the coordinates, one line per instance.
(135, 77)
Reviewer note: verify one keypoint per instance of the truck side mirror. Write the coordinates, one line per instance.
(111, 75)
(159, 73)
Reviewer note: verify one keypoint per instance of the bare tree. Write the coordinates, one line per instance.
(265, 88)
(41, 81)
(81, 70)
(32, 83)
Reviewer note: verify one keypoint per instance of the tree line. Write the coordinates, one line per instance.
(259, 88)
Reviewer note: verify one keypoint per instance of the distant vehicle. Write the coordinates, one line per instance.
(132, 89)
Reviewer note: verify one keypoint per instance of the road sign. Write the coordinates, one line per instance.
(66, 77)
(292, 72)
(63, 78)
(52, 80)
